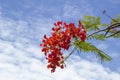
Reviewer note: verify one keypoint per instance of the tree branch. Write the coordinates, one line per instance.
(113, 34)
(62, 61)
(70, 54)
(109, 27)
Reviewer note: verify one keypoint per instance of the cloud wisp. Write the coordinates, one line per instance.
(27, 63)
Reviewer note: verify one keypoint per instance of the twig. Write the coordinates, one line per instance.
(104, 12)
(113, 34)
(70, 54)
(109, 27)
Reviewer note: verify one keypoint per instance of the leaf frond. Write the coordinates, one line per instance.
(87, 47)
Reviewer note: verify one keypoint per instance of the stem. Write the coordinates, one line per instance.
(109, 27)
(70, 54)
(62, 61)
(104, 12)
(113, 34)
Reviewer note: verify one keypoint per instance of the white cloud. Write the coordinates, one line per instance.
(30, 30)
(27, 63)
(18, 61)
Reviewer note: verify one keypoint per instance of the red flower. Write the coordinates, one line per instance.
(60, 39)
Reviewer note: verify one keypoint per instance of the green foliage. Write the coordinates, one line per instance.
(99, 37)
(117, 35)
(96, 31)
(92, 23)
(116, 19)
(114, 34)
(87, 47)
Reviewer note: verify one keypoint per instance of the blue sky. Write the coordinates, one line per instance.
(22, 26)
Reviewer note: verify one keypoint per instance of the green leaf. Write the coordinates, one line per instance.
(116, 19)
(103, 25)
(87, 47)
(87, 17)
(99, 37)
(115, 34)
(92, 23)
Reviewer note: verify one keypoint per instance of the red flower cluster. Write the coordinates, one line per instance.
(60, 39)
